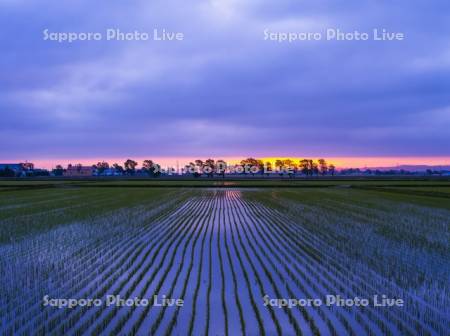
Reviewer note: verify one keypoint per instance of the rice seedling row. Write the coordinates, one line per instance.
(223, 253)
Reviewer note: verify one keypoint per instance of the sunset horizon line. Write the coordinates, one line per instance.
(341, 162)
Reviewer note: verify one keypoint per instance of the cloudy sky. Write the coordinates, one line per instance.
(224, 90)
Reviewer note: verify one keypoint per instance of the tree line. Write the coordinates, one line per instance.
(254, 166)
(211, 167)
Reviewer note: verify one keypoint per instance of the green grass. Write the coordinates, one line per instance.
(29, 211)
(378, 220)
(32, 206)
(436, 197)
(384, 230)
(228, 182)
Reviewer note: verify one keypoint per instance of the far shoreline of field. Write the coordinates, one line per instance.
(227, 182)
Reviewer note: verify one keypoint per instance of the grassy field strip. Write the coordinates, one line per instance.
(270, 272)
(93, 271)
(370, 279)
(242, 293)
(36, 198)
(54, 211)
(412, 213)
(301, 265)
(222, 250)
(127, 273)
(178, 254)
(153, 278)
(218, 223)
(217, 294)
(339, 240)
(70, 256)
(432, 192)
(30, 223)
(19, 197)
(121, 273)
(58, 203)
(27, 222)
(421, 257)
(191, 288)
(115, 274)
(319, 318)
(231, 289)
(81, 261)
(22, 205)
(249, 322)
(20, 249)
(255, 233)
(410, 296)
(243, 182)
(303, 269)
(15, 229)
(200, 323)
(180, 274)
(249, 280)
(263, 276)
(233, 294)
(363, 288)
(167, 319)
(26, 218)
(34, 246)
(207, 327)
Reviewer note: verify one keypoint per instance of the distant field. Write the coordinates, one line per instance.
(229, 182)
(222, 250)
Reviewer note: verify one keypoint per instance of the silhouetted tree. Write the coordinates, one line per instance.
(332, 169)
(289, 166)
(252, 165)
(58, 171)
(323, 166)
(199, 164)
(221, 167)
(305, 167)
(151, 168)
(101, 167)
(314, 168)
(118, 168)
(147, 164)
(268, 167)
(190, 168)
(130, 166)
(209, 167)
(279, 165)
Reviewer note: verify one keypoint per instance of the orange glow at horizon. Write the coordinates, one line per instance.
(339, 162)
(368, 162)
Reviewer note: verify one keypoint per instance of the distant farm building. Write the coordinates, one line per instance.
(17, 167)
(79, 171)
